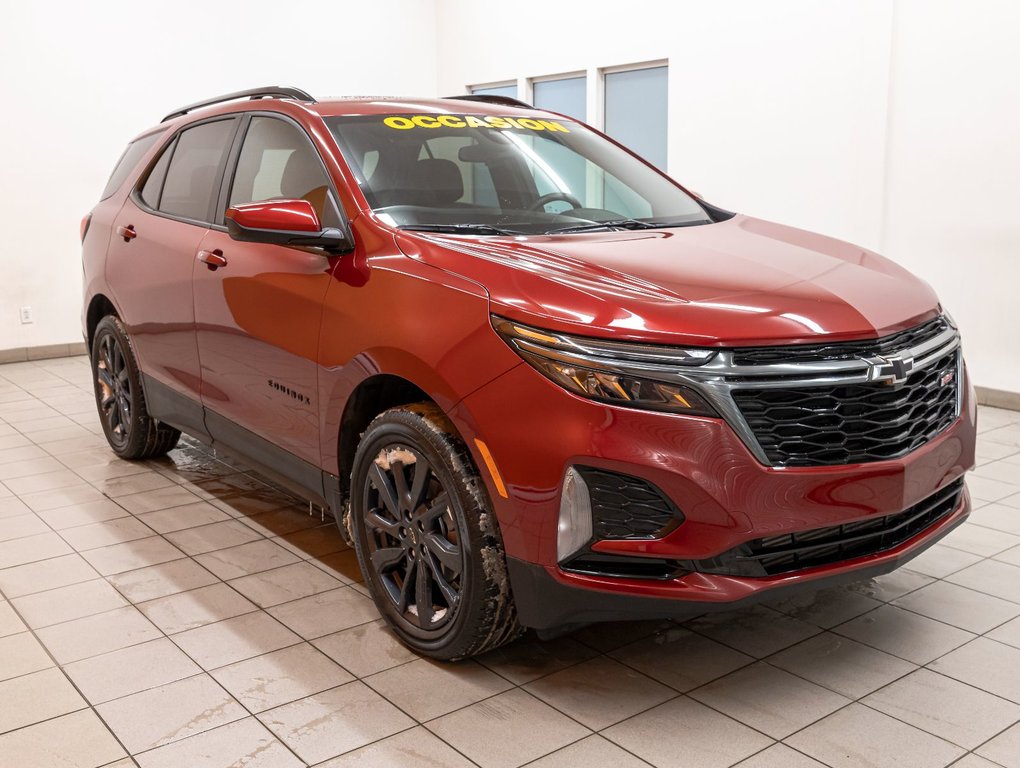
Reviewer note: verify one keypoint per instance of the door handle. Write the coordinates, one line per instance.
(128, 233)
(212, 259)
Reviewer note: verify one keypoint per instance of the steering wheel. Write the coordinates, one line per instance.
(544, 200)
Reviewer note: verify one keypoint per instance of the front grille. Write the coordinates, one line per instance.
(808, 426)
(625, 507)
(846, 350)
(823, 546)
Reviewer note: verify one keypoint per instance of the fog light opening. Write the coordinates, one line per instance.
(574, 529)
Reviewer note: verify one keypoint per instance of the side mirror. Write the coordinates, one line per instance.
(283, 222)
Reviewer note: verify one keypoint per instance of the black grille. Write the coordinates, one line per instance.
(822, 546)
(625, 507)
(846, 350)
(851, 423)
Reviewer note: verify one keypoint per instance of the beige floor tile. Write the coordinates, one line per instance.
(104, 534)
(78, 739)
(961, 607)
(327, 612)
(280, 522)
(529, 659)
(212, 537)
(981, 541)
(342, 565)
(98, 467)
(683, 729)
(780, 756)
(757, 631)
(10, 623)
(985, 664)
(611, 635)
(328, 724)
(32, 549)
(125, 486)
(20, 526)
(1008, 633)
(939, 561)
(507, 730)
(11, 505)
(186, 516)
(246, 559)
(842, 665)
(67, 603)
(315, 542)
(1004, 749)
(85, 514)
(992, 577)
(244, 743)
(132, 555)
(750, 695)
(591, 752)
(242, 637)
(161, 580)
(170, 713)
(130, 670)
(26, 467)
(599, 692)
(21, 453)
(62, 497)
(21, 654)
(160, 498)
(48, 481)
(282, 585)
(365, 649)
(859, 737)
(281, 677)
(416, 747)
(195, 608)
(426, 689)
(1011, 556)
(94, 635)
(904, 634)
(45, 574)
(998, 517)
(36, 697)
(945, 707)
(680, 658)
(892, 585)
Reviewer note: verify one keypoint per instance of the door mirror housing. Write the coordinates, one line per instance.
(283, 222)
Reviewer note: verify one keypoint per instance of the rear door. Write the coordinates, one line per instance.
(258, 316)
(150, 264)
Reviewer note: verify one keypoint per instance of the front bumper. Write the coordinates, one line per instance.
(534, 430)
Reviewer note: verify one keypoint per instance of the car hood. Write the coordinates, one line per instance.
(738, 282)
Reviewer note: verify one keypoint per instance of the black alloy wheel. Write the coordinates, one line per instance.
(113, 384)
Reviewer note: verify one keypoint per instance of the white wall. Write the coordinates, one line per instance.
(81, 79)
(894, 124)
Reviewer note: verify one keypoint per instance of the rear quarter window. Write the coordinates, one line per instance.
(127, 163)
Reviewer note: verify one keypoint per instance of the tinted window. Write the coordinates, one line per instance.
(190, 187)
(636, 103)
(277, 160)
(497, 90)
(127, 163)
(568, 96)
(154, 183)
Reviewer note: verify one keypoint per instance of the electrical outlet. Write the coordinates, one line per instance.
(26, 316)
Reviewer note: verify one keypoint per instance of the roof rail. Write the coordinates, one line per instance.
(269, 92)
(507, 101)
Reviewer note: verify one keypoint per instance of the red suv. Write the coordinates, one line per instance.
(538, 382)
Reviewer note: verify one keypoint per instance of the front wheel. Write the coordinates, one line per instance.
(426, 536)
(130, 431)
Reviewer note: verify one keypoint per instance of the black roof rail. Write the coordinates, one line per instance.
(269, 92)
(506, 101)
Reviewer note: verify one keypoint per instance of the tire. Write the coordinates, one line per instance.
(120, 400)
(429, 540)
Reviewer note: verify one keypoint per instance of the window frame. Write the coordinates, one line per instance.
(577, 74)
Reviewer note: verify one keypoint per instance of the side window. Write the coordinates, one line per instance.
(277, 160)
(154, 183)
(127, 163)
(190, 188)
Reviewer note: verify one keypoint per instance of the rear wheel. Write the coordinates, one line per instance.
(426, 537)
(130, 431)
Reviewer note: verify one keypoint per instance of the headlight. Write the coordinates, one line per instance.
(634, 375)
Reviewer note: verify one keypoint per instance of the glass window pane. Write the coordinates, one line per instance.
(154, 184)
(636, 111)
(190, 187)
(568, 96)
(499, 90)
(127, 163)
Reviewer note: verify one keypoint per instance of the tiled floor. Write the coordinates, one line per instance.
(183, 613)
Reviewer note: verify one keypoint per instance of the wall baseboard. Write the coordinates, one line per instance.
(24, 354)
(998, 398)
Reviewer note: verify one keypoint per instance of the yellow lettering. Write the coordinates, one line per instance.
(474, 122)
(552, 125)
(534, 125)
(400, 123)
(450, 121)
(424, 121)
(513, 122)
(497, 122)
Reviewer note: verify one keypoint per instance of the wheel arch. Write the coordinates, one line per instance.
(99, 307)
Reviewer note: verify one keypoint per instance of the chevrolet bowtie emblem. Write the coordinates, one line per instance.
(889, 370)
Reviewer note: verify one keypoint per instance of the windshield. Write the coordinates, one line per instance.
(487, 175)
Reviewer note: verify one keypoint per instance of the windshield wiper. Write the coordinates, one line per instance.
(473, 229)
(623, 224)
